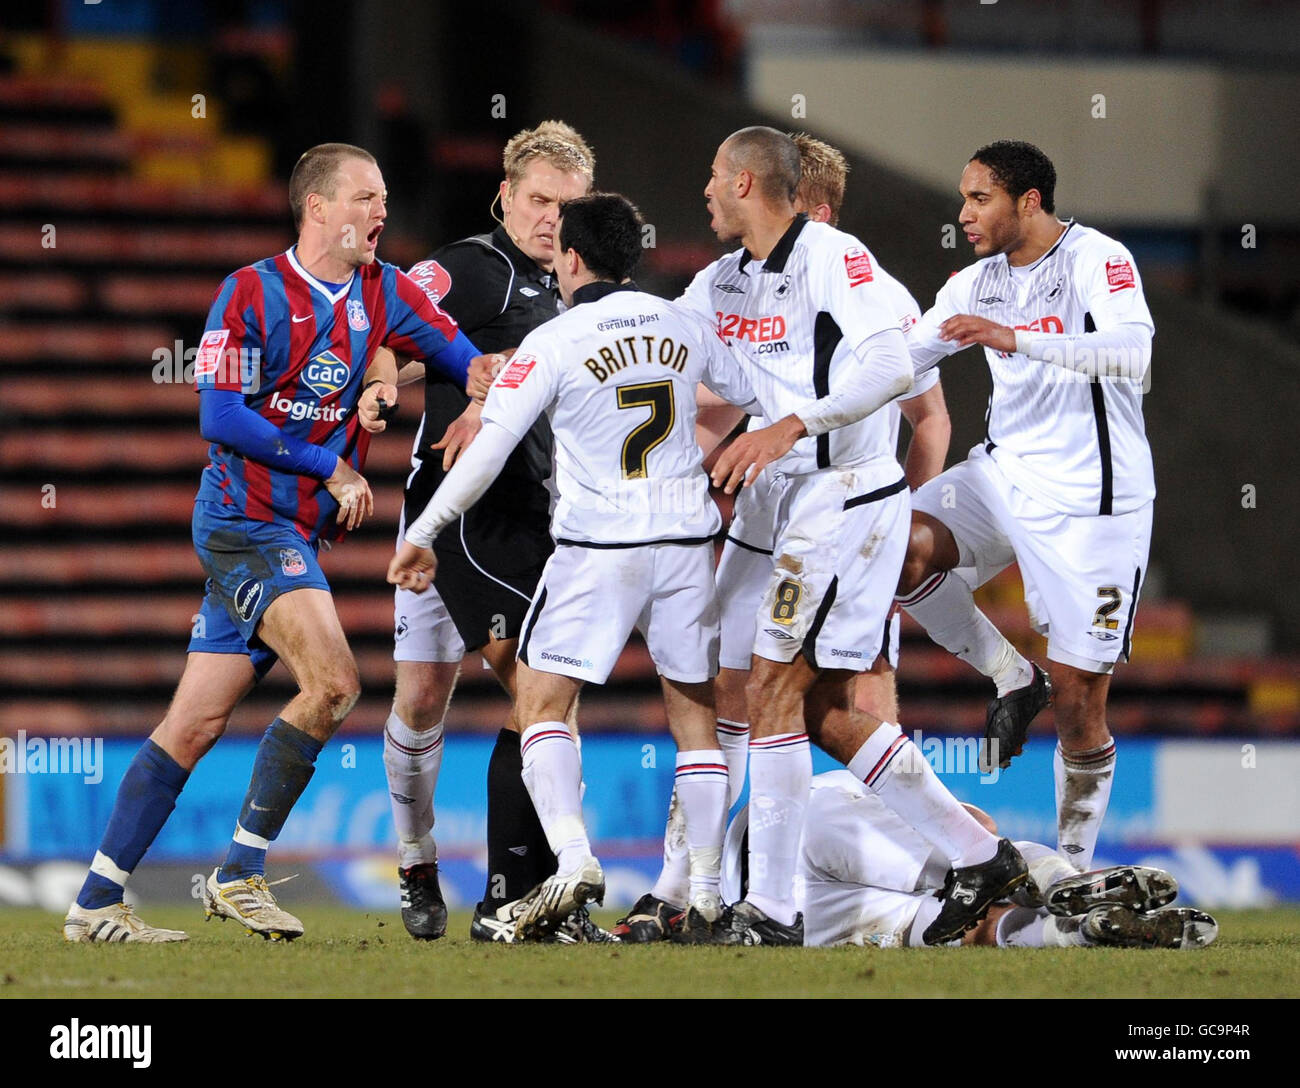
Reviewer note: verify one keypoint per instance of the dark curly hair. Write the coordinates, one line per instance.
(1019, 167)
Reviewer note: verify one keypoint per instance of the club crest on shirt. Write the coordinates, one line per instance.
(292, 562)
(518, 369)
(857, 266)
(357, 319)
(326, 374)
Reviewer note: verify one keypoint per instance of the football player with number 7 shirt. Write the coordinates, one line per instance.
(616, 374)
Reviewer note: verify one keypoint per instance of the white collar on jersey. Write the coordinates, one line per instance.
(1054, 247)
(333, 296)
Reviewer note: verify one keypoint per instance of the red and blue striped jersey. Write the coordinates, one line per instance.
(297, 349)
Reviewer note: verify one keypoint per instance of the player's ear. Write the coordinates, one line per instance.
(1031, 201)
(504, 193)
(744, 182)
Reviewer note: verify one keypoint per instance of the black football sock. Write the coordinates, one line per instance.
(519, 857)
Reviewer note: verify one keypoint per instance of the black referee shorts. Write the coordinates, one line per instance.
(489, 564)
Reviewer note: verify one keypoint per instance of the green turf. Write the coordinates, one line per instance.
(351, 953)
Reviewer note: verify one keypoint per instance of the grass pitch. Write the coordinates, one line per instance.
(349, 953)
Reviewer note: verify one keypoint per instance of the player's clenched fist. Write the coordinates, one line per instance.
(412, 568)
(377, 401)
(352, 493)
(483, 370)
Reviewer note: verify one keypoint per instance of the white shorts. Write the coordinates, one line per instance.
(864, 871)
(589, 600)
(743, 576)
(1082, 574)
(839, 551)
(422, 630)
(753, 515)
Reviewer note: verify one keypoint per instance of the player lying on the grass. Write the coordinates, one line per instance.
(282, 398)
(616, 374)
(498, 286)
(865, 877)
(1062, 484)
(746, 563)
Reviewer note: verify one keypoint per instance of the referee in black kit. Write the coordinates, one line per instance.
(499, 287)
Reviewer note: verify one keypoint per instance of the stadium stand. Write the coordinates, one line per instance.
(100, 455)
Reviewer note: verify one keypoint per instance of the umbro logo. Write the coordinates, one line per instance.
(989, 300)
(529, 292)
(402, 799)
(778, 634)
(520, 851)
(730, 288)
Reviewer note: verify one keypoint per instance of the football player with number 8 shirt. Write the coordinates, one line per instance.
(802, 305)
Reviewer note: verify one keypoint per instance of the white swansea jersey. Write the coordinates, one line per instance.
(617, 374)
(1077, 445)
(797, 319)
(908, 313)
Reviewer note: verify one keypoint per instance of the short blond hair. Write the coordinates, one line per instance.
(553, 141)
(823, 171)
(317, 171)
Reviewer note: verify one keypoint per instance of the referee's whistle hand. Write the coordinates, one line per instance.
(412, 567)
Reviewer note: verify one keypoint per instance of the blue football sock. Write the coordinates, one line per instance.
(144, 800)
(286, 760)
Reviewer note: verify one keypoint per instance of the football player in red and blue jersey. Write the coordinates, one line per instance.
(287, 401)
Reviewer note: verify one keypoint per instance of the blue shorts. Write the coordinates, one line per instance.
(249, 564)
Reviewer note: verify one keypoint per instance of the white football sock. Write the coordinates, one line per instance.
(943, 605)
(893, 768)
(926, 913)
(1021, 927)
(412, 761)
(553, 775)
(701, 787)
(780, 776)
(1046, 866)
(674, 883)
(1083, 781)
(733, 739)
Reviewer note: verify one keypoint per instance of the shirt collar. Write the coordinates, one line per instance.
(781, 251)
(590, 292)
(523, 264)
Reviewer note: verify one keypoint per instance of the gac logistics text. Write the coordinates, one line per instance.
(1164, 1031)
